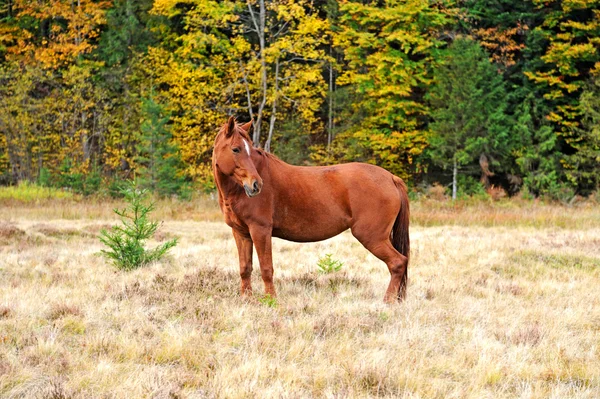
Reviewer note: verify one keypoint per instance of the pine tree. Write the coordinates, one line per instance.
(467, 108)
(160, 168)
(536, 147)
(126, 243)
(125, 33)
(583, 167)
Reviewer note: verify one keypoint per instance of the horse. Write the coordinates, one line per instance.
(263, 197)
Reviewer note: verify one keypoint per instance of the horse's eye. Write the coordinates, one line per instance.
(235, 150)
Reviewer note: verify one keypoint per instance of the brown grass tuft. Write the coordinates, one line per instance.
(5, 312)
(437, 192)
(61, 310)
(8, 232)
(528, 335)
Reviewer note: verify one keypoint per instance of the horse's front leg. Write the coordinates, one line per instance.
(244, 246)
(261, 236)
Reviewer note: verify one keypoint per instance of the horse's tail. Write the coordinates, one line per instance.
(400, 237)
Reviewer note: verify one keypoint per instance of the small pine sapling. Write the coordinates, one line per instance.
(328, 265)
(126, 242)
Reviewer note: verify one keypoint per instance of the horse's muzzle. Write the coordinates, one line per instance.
(252, 191)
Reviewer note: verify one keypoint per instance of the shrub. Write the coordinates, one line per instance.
(268, 300)
(45, 178)
(469, 186)
(126, 242)
(496, 193)
(560, 192)
(29, 192)
(436, 192)
(328, 265)
(116, 187)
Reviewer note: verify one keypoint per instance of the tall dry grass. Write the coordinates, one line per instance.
(503, 312)
(424, 212)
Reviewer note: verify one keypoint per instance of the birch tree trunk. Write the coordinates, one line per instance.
(454, 173)
(259, 26)
(274, 109)
(330, 113)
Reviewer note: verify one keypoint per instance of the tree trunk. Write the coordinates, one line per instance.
(260, 31)
(274, 110)
(330, 113)
(454, 173)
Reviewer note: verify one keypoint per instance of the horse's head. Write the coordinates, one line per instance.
(232, 156)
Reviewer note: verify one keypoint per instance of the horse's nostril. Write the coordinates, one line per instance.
(255, 186)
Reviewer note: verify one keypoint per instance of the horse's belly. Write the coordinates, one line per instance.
(308, 235)
(310, 226)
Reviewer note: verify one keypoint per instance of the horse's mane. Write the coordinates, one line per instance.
(267, 155)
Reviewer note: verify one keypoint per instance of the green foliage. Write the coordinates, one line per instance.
(29, 192)
(468, 109)
(561, 192)
(125, 33)
(92, 181)
(68, 178)
(268, 300)
(116, 187)
(160, 168)
(536, 149)
(126, 243)
(78, 182)
(390, 53)
(327, 264)
(468, 186)
(44, 177)
(583, 166)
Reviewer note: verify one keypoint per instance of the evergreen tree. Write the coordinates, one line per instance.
(584, 165)
(126, 32)
(536, 147)
(160, 168)
(467, 107)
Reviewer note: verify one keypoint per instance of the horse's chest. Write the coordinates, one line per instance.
(231, 217)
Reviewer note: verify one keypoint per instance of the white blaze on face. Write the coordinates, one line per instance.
(247, 146)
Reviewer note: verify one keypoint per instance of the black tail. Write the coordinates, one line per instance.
(400, 237)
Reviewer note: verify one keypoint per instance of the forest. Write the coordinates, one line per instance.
(470, 94)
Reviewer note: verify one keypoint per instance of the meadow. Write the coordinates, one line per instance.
(502, 303)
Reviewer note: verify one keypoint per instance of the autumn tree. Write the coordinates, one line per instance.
(52, 106)
(211, 64)
(389, 51)
(571, 57)
(288, 61)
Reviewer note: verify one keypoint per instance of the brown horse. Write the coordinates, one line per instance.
(262, 197)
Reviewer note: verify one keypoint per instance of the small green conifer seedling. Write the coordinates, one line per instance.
(126, 242)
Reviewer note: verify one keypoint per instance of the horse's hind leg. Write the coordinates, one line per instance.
(381, 246)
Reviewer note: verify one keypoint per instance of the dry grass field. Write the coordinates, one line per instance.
(503, 302)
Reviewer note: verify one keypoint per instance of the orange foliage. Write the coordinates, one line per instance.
(69, 28)
(502, 43)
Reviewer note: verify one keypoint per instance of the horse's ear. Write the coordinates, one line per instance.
(230, 127)
(246, 126)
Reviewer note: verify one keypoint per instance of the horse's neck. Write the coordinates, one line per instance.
(226, 187)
